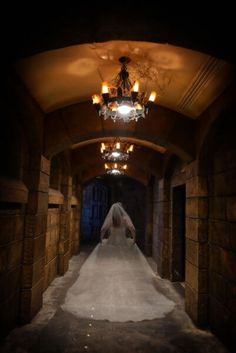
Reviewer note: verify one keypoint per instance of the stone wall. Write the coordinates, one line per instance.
(74, 228)
(222, 231)
(161, 226)
(13, 198)
(51, 245)
(196, 285)
(11, 247)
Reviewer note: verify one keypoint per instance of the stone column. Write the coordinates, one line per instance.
(162, 215)
(196, 289)
(64, 253)
(34, 238)
(149, 220)
(78, 217)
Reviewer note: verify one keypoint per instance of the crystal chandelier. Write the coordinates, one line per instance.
(115, 168)
(122, 101)
(116, 151)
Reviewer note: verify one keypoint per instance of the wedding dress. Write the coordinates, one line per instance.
(116, 283)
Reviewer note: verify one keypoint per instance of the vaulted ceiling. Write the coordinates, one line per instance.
(62, 68)
(185, 81)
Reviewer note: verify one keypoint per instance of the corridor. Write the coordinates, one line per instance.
(101, 107)
(55, 330)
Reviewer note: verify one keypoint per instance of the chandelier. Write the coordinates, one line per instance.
(122, 100)
(115, 168)
(116, 150)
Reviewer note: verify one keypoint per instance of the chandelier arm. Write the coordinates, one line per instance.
(123, 102)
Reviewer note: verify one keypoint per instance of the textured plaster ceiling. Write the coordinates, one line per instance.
(186, 81)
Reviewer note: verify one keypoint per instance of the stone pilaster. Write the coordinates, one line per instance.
(64, 253)
(161, 231)
(196, 295)
(149, 220)
(34, 238)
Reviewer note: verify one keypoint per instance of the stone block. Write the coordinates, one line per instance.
(223, 262)
(11, 228)
(51, 252)
(45, 165)
(178, 179)
(231, 297)
(229, 264)
(63, 263)
(196, 305)
(3, 260)
(50, 272)
(197, 253)
(220, 322)
(35, 225)
(31, 274)
(34, 249)
(220, 234)
(215, 259)
(37, 202)
(10, 283)
(55, 218)
(13, 190)
(191, 169)
(9, 314)
(196, 229)
(217, 208)
(164, 194)
(38, 181)
(217, 184)
(196, 278)
(14, 254)
(197, 207)
(48, 239)
(196, 186)
(218, 287)
(220, 161)
(31, 301)
(231, 232)
(231, 208)
(230, 181)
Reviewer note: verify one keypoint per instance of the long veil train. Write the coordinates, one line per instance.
(116, 282)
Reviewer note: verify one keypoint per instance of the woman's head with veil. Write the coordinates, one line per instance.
(117, 217)
(117, 214)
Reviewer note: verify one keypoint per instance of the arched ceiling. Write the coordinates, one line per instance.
(143, 159)
(63, 56)
(186, 81)
(131, 140)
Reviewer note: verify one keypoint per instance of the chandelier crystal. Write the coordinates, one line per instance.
(116, 151)
(115, 168)
(123, 101)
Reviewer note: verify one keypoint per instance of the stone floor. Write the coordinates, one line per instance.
(56, 331)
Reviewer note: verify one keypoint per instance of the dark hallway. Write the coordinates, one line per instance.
(98, 108)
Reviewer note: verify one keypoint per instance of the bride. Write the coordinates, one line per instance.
(116, 282)
(116, 223)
